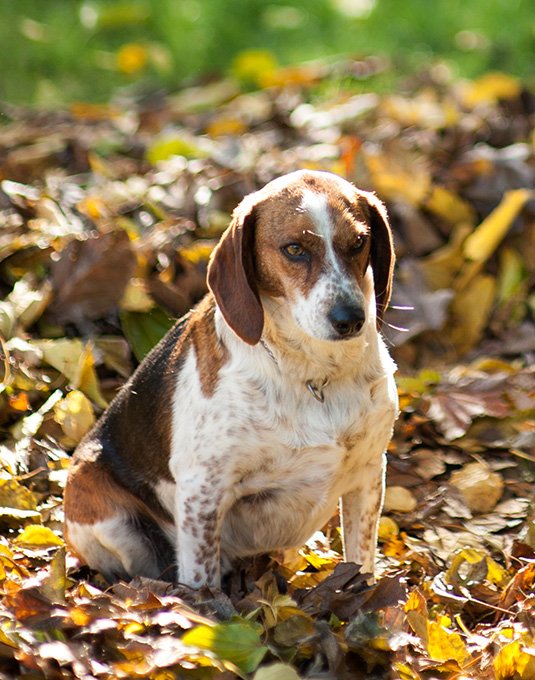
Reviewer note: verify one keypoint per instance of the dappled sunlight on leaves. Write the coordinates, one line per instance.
(108, 217)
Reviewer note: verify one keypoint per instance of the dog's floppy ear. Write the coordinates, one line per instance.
(382, 254)
(231, 276)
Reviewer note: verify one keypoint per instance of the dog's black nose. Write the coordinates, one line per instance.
(346, 319)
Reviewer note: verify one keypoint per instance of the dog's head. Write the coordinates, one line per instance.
(307, 240)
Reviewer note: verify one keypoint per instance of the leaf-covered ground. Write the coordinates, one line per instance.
(107, 217)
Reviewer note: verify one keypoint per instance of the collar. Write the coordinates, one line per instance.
(315, 389)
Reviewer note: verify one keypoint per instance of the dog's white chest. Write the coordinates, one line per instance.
(290, 476)
(284, 459)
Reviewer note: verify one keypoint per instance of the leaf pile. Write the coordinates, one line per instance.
(107, 217)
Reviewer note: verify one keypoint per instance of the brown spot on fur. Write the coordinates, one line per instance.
(349, 439)
(210, 353)
(92, 495)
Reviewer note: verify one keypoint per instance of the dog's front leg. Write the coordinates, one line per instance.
(360, 513)
(200, 510)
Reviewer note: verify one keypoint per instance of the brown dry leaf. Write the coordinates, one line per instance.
(90, 277)
(453, 408)
(429, 463)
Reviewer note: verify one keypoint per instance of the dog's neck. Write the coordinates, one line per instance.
(318, 365)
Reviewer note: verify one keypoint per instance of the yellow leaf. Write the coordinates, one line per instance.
(395, 547)
(226, 126)
(135, 297)
(482, 243)
(93, 207)
(490, 88)
(35, 535)
(19, 402)
(399, 499)
(56, 582)
(444, 264)
(237, 642)
(471, 308)
(387, 529)
(512, 274)
(5, 640)
(515, 661)
(404, 178)
(197, 252)
(450, 207)
(416, 602)
(443, 645)
(481, 489)
(75, 415)
(14, 495)
(302, 76)
(496, 573)
(131, 58)
(254, 66)
(167, 146)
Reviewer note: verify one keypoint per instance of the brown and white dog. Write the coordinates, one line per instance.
(260, 409)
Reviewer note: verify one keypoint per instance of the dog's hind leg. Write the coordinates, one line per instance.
(106, 528)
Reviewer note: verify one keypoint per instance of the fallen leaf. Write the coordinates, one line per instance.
(483, 241)
(75, 415)
(238, 643)
(480, 488)
(36, 535)
(399, 499)
(15, 495)
(276, 671)
(443, 644)
(144, 330)
(515, 660)
(491, 88)
(90, 276)
(76, 362)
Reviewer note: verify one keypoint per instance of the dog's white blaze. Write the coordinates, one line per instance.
(317, 207)
(311, 310)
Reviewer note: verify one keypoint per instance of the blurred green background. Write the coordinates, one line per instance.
(58, 51)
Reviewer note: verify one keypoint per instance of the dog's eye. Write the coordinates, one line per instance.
(357, 245)
(295, 251)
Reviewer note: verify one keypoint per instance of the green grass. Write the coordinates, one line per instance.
(57, 51)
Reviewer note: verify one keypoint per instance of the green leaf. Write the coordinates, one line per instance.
(237, 642)
(143, 330)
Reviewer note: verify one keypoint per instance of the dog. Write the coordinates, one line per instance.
(261, 408)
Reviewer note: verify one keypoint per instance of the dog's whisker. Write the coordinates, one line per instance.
(403, 308)
(397, 328)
